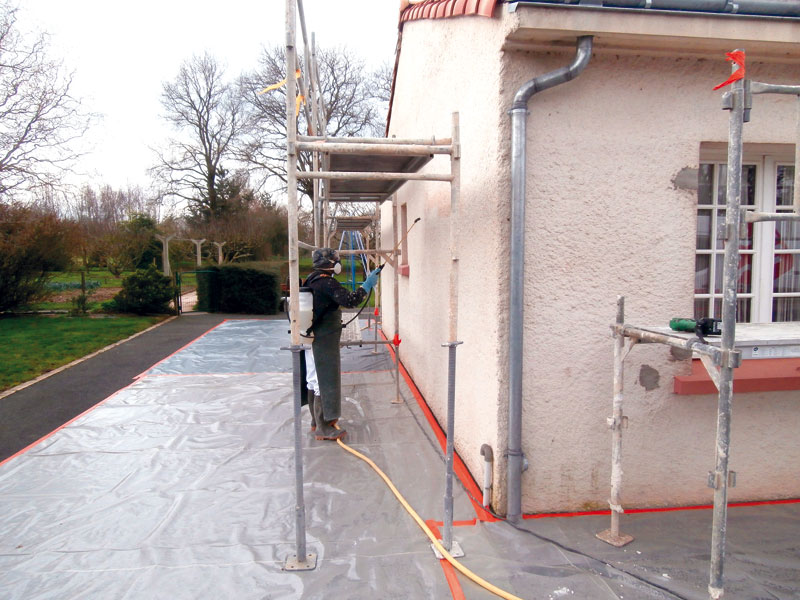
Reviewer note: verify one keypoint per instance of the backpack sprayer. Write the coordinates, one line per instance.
(305, 318)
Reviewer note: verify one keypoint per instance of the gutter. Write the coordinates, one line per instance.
(757, 8)
(519, 113)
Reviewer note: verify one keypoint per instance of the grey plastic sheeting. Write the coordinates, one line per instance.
(182, 486)
(255, 346)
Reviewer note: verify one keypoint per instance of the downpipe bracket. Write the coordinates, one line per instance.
(524, 460)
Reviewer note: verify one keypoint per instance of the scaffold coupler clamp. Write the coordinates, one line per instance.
(615, 423)
(730, 358)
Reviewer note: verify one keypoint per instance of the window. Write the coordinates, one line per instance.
(769, 265)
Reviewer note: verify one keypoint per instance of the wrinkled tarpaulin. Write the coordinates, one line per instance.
(182, 486)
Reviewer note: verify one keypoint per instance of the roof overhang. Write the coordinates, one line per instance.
(648, 32)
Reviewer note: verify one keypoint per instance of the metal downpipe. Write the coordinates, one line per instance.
(519, 113)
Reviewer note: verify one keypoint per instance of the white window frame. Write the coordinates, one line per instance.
(766, 160)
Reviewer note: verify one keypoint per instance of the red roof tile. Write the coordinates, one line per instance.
(440, 9)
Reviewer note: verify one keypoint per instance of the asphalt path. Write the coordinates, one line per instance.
(33, 412)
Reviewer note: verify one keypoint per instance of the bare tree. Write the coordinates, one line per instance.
(39, 119)
(207, 110)
(353, 107)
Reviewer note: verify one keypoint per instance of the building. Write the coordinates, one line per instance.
(623, 191)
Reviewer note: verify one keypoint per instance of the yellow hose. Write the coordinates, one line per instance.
(481, 582)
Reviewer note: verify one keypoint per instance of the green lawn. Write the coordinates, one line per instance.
(32, 345)
(105, 278)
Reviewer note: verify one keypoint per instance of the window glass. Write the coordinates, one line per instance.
(748, 185)
(786, 278)
(705, 184)
(701, 308)
(702, 275)
(743, 307)
(722, 183)
(787, 236)
(704, 222)
(786, 309)
(785, 186)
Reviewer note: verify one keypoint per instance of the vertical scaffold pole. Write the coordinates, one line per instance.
(719, 478)
(379, 287)
(455, 168)
(396, 257)
(301, 560)
(616, 422)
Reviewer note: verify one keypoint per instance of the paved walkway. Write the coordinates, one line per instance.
(35, 411)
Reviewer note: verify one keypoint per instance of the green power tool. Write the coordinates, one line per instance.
(702, 327)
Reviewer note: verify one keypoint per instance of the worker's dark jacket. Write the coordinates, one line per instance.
(329, 295)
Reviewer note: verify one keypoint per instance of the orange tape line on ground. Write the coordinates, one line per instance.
(57, 429)
(459, 468)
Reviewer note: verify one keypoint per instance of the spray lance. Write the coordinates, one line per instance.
(379, 269)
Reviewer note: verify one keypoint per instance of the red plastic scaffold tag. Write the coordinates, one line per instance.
(376, 312)
(738, 58)
(396, 341)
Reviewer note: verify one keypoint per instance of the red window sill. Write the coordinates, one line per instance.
(404, 270)
(760, 375)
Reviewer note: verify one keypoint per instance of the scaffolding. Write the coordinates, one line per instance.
(362, 170)
(719, 361)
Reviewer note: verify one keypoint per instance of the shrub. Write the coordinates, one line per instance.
(146, 291)
(238, 289)
(32, 243)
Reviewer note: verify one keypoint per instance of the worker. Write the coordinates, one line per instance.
(329, 296)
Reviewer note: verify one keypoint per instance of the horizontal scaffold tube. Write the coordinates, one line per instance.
(756, 217)
(390, 149)
(367, 251)
(757, 87)
(373, 176)
(360, 140)
(645, 335)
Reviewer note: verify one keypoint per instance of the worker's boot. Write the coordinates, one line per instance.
(312, 400)
(325, 430)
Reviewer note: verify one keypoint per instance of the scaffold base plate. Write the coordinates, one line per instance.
(455, 550)
(615, 540)
(292, 564)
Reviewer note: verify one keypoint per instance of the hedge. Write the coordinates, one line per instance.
(238, 289)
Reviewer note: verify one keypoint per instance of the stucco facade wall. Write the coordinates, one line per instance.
(428, 90)
(607, 215)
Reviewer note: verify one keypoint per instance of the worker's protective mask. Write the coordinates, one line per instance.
(337, 268)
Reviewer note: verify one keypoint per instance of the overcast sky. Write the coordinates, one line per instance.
(122, 52)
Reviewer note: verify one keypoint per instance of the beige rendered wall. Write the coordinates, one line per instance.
(435, 79)
(607, 214)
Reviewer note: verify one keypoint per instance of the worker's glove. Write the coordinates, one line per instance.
(371, 281)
